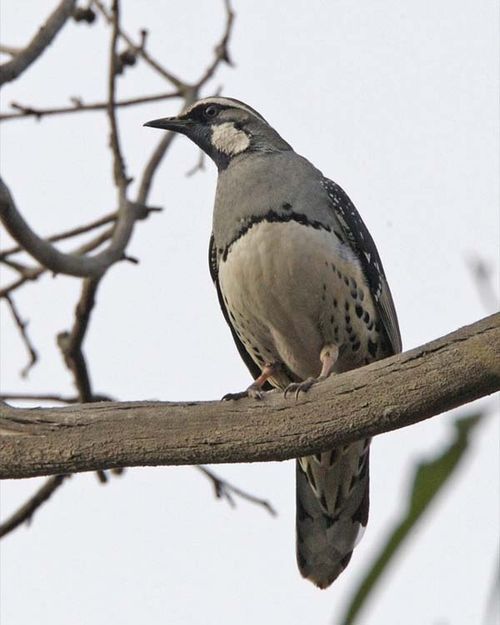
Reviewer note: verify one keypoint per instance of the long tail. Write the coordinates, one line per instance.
(332, 509)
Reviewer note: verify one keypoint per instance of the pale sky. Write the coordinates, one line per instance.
(396, 102)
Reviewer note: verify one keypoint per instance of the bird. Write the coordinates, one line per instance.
(303, 291)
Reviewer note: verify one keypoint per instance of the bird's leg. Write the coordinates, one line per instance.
(255, 389)
(328, 357)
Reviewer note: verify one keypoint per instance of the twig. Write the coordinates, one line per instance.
(24, 111)
(35, 273)
(43, 38)
(482, 274)
(26, 511)
(70, 343)
(225, 490)
(198, 166)
(221, 49)
(59, 262)
(38, 397)
(119, 172)
(141, 51)
(67, 234)
(21, 325)
(10, 50)
(49, 397)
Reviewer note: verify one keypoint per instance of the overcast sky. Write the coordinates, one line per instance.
(398, 103)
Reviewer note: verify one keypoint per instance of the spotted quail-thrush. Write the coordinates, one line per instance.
(303, 290)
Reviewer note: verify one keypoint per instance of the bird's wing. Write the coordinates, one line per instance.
(362, 244)
(214, 273)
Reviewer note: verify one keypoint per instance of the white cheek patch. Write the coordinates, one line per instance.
(229, 140)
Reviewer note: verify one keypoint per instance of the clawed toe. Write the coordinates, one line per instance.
(252, 391)
(300, 387)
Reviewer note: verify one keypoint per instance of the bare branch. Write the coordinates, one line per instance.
(21, 326)
(10, 50)
(225, 490)
(119, 173)
(70, 343)
(141, 51)
(25, 512)
(44, 37)
(67, 234)
(78, 106)
(221, 49)
(59, 262)
(383, 396)
(157, 156)
(48, 397)
(34, 273)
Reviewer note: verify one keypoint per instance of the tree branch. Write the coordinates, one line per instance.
(78, 106)
(384, 396)
(26, 511)
(44, 37)
(59, 262)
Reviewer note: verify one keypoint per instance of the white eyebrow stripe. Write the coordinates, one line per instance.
(224, 102)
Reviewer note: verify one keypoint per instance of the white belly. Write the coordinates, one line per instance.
(285, 296)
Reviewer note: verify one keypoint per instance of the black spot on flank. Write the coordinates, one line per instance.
(366, 316)
(354, 284)
(377, 327)
(334, 269)
(370, 325)
(339, 274)
(355, 346)
(359, 310)
(348, 319)
(323, 297)
(324, 287)
(372, 347)
(361, 294)
(346, 305)
(286, 206)
(353, 338)
(346, 280)
(348, 329)
(331, 319)
(354, 294)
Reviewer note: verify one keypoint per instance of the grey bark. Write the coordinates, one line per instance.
(384, 396)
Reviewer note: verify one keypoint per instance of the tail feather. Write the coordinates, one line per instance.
(332, 510)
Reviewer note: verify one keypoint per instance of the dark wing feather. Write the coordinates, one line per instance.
(214, 273)
(363, 245)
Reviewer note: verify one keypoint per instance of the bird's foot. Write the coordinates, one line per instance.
(254, 391)
(302, 387)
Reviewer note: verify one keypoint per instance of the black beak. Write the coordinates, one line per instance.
(175, 124)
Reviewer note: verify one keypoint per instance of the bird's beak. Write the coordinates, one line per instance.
(175, 124)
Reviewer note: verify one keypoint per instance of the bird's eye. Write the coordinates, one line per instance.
(211, 111)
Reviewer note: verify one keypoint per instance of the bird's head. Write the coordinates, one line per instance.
(224, 128)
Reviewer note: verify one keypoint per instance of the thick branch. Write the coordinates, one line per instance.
(384, 396)
(44, 37)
